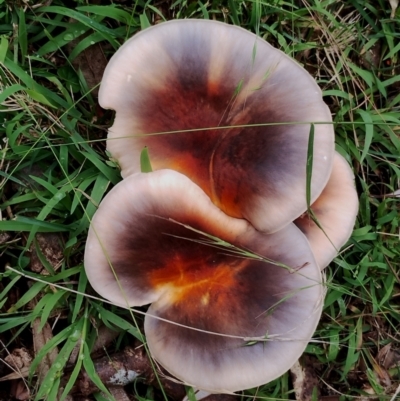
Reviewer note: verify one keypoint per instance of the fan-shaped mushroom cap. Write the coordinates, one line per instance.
(336, 210)
(140, 250)
(247, 107)
(127, 232)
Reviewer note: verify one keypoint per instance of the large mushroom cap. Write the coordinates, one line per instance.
(209, 300)
(127, 232)
(243, 110)
(336, 211)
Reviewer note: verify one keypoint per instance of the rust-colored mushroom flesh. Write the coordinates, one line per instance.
(335, 210)
(221, 319)
(223, 107)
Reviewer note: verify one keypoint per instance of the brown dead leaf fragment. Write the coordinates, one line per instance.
(119, 394)
(124, 367)
(120, 369)
(305, 381)
(92, 63)
(20, 391)
(24, 372)
(371, 58)
(4, 237)
(19, 358)
(19, 361)
(40, 338)
(49, 245)
(388, 358)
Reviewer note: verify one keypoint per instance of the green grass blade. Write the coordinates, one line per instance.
(22, 223)
(3, 48)
(144, 21)
(309, 165)
(145, 164)
(369, 132)
(91, 370)
(22, 35)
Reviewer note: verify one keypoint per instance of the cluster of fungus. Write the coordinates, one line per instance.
(218, 238)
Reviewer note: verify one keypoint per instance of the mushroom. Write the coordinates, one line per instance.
(335, 210)
(223, 107)
(233, 286)
(226, 314)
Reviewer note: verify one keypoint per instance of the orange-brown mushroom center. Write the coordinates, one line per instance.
(195, 281)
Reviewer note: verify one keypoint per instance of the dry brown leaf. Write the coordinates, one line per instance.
(92, 63)
(4, 237)
(382, 376)
(50, 246)
(19, 358)
(40, 338)
(304, 380)
(123, 367)
(20, 391)
(388, 358)
(371, 395)
(395, 395)
(371, 58)
(119, 394)
(24, 372)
